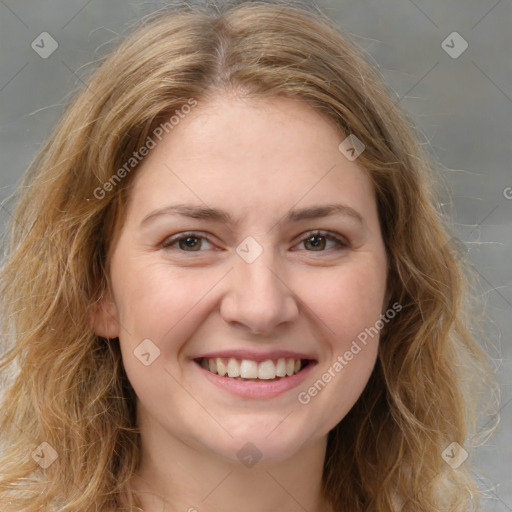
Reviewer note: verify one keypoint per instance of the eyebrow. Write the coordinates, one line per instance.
(214, 214)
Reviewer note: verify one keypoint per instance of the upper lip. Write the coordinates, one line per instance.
(256, 356)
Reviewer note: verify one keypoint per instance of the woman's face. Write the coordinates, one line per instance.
(245, 184)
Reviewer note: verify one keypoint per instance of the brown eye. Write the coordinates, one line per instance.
(318, 241)
(190, 242)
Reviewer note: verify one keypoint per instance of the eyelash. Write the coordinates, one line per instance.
(169, 242)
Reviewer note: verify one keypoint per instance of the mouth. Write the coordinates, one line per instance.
(256, 371)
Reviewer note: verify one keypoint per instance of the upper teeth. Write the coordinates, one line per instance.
(248, 369)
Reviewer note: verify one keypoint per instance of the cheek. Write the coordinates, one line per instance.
(155, 298)
(164, 305)
(349, 302)
(347, 299)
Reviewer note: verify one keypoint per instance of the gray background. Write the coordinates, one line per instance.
(463, 106)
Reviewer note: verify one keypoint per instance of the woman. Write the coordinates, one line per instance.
(228, 286)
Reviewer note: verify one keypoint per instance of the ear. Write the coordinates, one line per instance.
(104, 318)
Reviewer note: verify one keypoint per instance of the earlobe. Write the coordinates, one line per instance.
(103, 318)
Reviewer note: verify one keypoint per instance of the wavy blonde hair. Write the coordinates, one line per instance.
(66, 386)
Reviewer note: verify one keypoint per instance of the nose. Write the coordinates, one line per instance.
(258, 298)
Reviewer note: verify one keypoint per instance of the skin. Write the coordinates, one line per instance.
(257, 159)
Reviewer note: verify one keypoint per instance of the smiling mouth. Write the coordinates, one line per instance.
(248, 370)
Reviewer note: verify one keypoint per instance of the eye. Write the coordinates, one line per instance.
(315, 241)
(187, 242)
(318, 240)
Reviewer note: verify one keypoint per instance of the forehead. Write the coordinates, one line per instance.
(251, 153)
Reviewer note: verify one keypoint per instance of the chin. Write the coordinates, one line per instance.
(259, 444)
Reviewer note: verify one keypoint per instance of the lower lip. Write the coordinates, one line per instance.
(257, 389)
